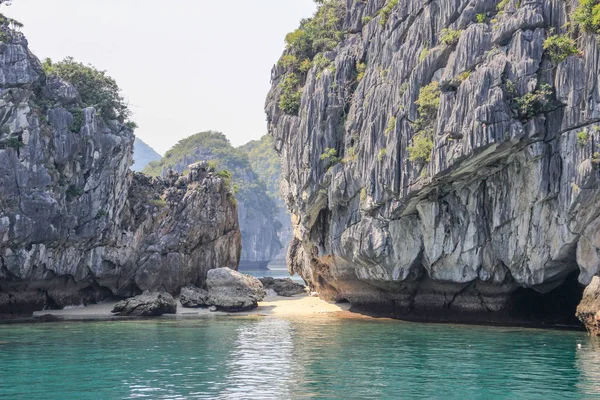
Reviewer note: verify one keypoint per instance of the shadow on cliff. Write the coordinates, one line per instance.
(525, 307)
(557, 307)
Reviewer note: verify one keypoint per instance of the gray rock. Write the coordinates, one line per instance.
(174, 241)
(265, 162)
(505, 200)
(76, 225)
(148, 304)
(193, 297)
(588, 310)
(257, 212)
(230, 290)
(283, 287)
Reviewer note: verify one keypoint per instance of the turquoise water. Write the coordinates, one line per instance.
(275, 271)
(300, 358)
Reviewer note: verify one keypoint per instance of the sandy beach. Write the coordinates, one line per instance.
(277, 306)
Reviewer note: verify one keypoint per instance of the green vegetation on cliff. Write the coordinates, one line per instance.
(320, 33)
(7, 25)
(210, 146)
(449, 37)
(265, 163)
(215, 148)
(587, 15)
(428, 102)
(95, 88)
(315, 35)
(531, 104)
(559, 47)
(386, 11)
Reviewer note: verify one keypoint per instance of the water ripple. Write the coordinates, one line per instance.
(302, 358)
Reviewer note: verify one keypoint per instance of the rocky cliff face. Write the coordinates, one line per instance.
(173, 230)
(265, 163)
(441, 159)
(75, 225)
(588, 311)
(257, 212)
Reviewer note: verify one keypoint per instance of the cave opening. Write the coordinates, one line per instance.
(557, 307)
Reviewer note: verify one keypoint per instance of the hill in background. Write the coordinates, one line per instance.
(143, 155)
(254, 170)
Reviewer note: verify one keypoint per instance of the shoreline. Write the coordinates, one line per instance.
(271, 306)
(302, 305)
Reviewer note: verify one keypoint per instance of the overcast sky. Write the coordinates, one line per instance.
(185, 66)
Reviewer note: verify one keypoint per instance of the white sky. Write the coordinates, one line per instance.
(185, 66)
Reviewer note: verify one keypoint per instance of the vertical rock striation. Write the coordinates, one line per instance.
(173, 231)
(75, 225)
(257, 212)
(265, 163)
(440, 160)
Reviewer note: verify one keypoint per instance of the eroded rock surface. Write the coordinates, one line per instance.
(230, 290)
(76, 226)
(175, 229)
(283, 287)
(257, 212)
(506, 197)
(193, 297)
(588, 310)
(147, 304)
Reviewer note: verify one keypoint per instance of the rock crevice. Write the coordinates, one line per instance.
(496, 192)
(76, 225)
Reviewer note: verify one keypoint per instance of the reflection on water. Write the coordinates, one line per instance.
(588, 364)
(263, 351)
(295, 358)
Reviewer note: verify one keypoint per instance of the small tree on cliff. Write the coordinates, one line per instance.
(95, 87)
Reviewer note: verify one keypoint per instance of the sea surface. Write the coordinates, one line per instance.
(275, 271)
(322, 357)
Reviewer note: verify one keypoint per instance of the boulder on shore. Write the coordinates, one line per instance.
(148, 304)
(588, 310)
(192, 297)
(283, 287)
(230, 290)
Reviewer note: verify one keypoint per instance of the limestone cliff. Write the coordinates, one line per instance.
(440, 157)
(588, 310)
(257, 212)
(75, 224)
(265, 163)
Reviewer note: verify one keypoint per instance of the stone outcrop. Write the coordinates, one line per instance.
(588, 310)
(504, 196)
(229, 290)
(283, 287)
(147, 304)
(256, 210)
(193, 297)
(174, 230)
(76, 226)
(265, 163)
